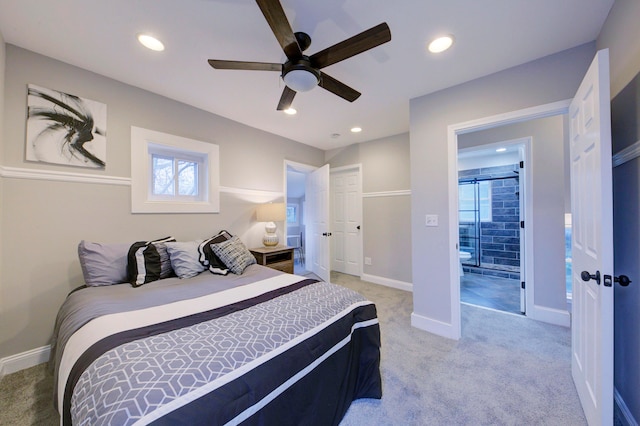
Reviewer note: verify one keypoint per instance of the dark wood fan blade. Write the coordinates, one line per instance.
(352, 46)
(277, 20)
(286, 99)
(334, 86)
(242, 65)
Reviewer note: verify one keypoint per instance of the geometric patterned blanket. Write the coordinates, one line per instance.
(233, 363)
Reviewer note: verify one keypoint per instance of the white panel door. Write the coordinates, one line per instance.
(317, 244)
(346, 216)
(592, 243)
(338, 222)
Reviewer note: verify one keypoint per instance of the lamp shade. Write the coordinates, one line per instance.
(271, 212)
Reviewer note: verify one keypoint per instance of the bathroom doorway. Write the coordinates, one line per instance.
(490, 216)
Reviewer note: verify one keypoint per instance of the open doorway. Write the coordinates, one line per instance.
(296, 179)
(547, 184)
(491, 200)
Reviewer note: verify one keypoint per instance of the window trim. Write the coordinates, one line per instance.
(142, 142)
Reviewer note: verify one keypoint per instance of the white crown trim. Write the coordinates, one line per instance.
(386, 193)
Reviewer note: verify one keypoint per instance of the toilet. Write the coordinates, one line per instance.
(464, 255)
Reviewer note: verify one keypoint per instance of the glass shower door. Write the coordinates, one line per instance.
(469, 220)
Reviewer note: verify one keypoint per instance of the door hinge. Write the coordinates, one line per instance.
(522, 285)
(522, 164)
(522, 224)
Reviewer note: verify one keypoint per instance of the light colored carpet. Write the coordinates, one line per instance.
(506, 370)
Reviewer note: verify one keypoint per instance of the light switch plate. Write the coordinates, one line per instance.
(431, 220)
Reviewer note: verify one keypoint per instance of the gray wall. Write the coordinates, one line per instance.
(2, 72)
(386, 216)
(621, 34)
(543, 81)
(43, 221)
(548, 164)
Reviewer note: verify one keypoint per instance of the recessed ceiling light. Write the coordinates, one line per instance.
(290, 111)
(441, 44)
(356, 129)
(150, 42)
(501, 149)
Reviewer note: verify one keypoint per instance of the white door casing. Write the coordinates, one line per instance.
(346, 217)
(522, 182)
(592, 242)
(318, 246)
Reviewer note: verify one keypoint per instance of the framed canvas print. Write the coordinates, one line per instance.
(65, 129)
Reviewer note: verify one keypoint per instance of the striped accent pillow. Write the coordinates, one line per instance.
(148, 261)
(208, 258)
(234, 254)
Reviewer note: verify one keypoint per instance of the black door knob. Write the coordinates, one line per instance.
(586, 276)
(623, 280)
(358, 227)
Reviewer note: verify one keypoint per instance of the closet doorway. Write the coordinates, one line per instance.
(491, 214)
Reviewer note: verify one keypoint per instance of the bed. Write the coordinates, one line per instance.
(260, 347)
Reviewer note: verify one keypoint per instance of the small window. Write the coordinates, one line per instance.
(171, 174)
(292, 214)
(176, 174)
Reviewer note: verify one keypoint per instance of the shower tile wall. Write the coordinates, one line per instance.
(500, 238)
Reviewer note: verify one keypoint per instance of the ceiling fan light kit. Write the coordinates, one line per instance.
(302, 73)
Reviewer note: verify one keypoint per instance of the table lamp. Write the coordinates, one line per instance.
(270, 213)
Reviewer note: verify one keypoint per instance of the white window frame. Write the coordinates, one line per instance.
(144, 143)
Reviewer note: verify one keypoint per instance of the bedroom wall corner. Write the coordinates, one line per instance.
(3, 295)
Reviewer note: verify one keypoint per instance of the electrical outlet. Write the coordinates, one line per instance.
(431, 220)
(367, 261)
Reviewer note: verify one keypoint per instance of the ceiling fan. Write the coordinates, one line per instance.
(301, 72)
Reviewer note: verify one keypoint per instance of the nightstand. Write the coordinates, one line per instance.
(279, 257)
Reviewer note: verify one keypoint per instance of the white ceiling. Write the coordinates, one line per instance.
(491, 35)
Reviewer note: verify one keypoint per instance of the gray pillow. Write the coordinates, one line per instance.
(103, 264)
(184, 258)
(234, 254)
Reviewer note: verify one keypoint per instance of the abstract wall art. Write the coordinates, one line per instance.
(65, 129)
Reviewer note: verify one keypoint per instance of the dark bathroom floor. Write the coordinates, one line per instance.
(490, 292)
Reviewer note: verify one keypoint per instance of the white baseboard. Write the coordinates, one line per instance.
(400, 285)
(550, 315)
(434, 326)
(622, 406)
(17, 362)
